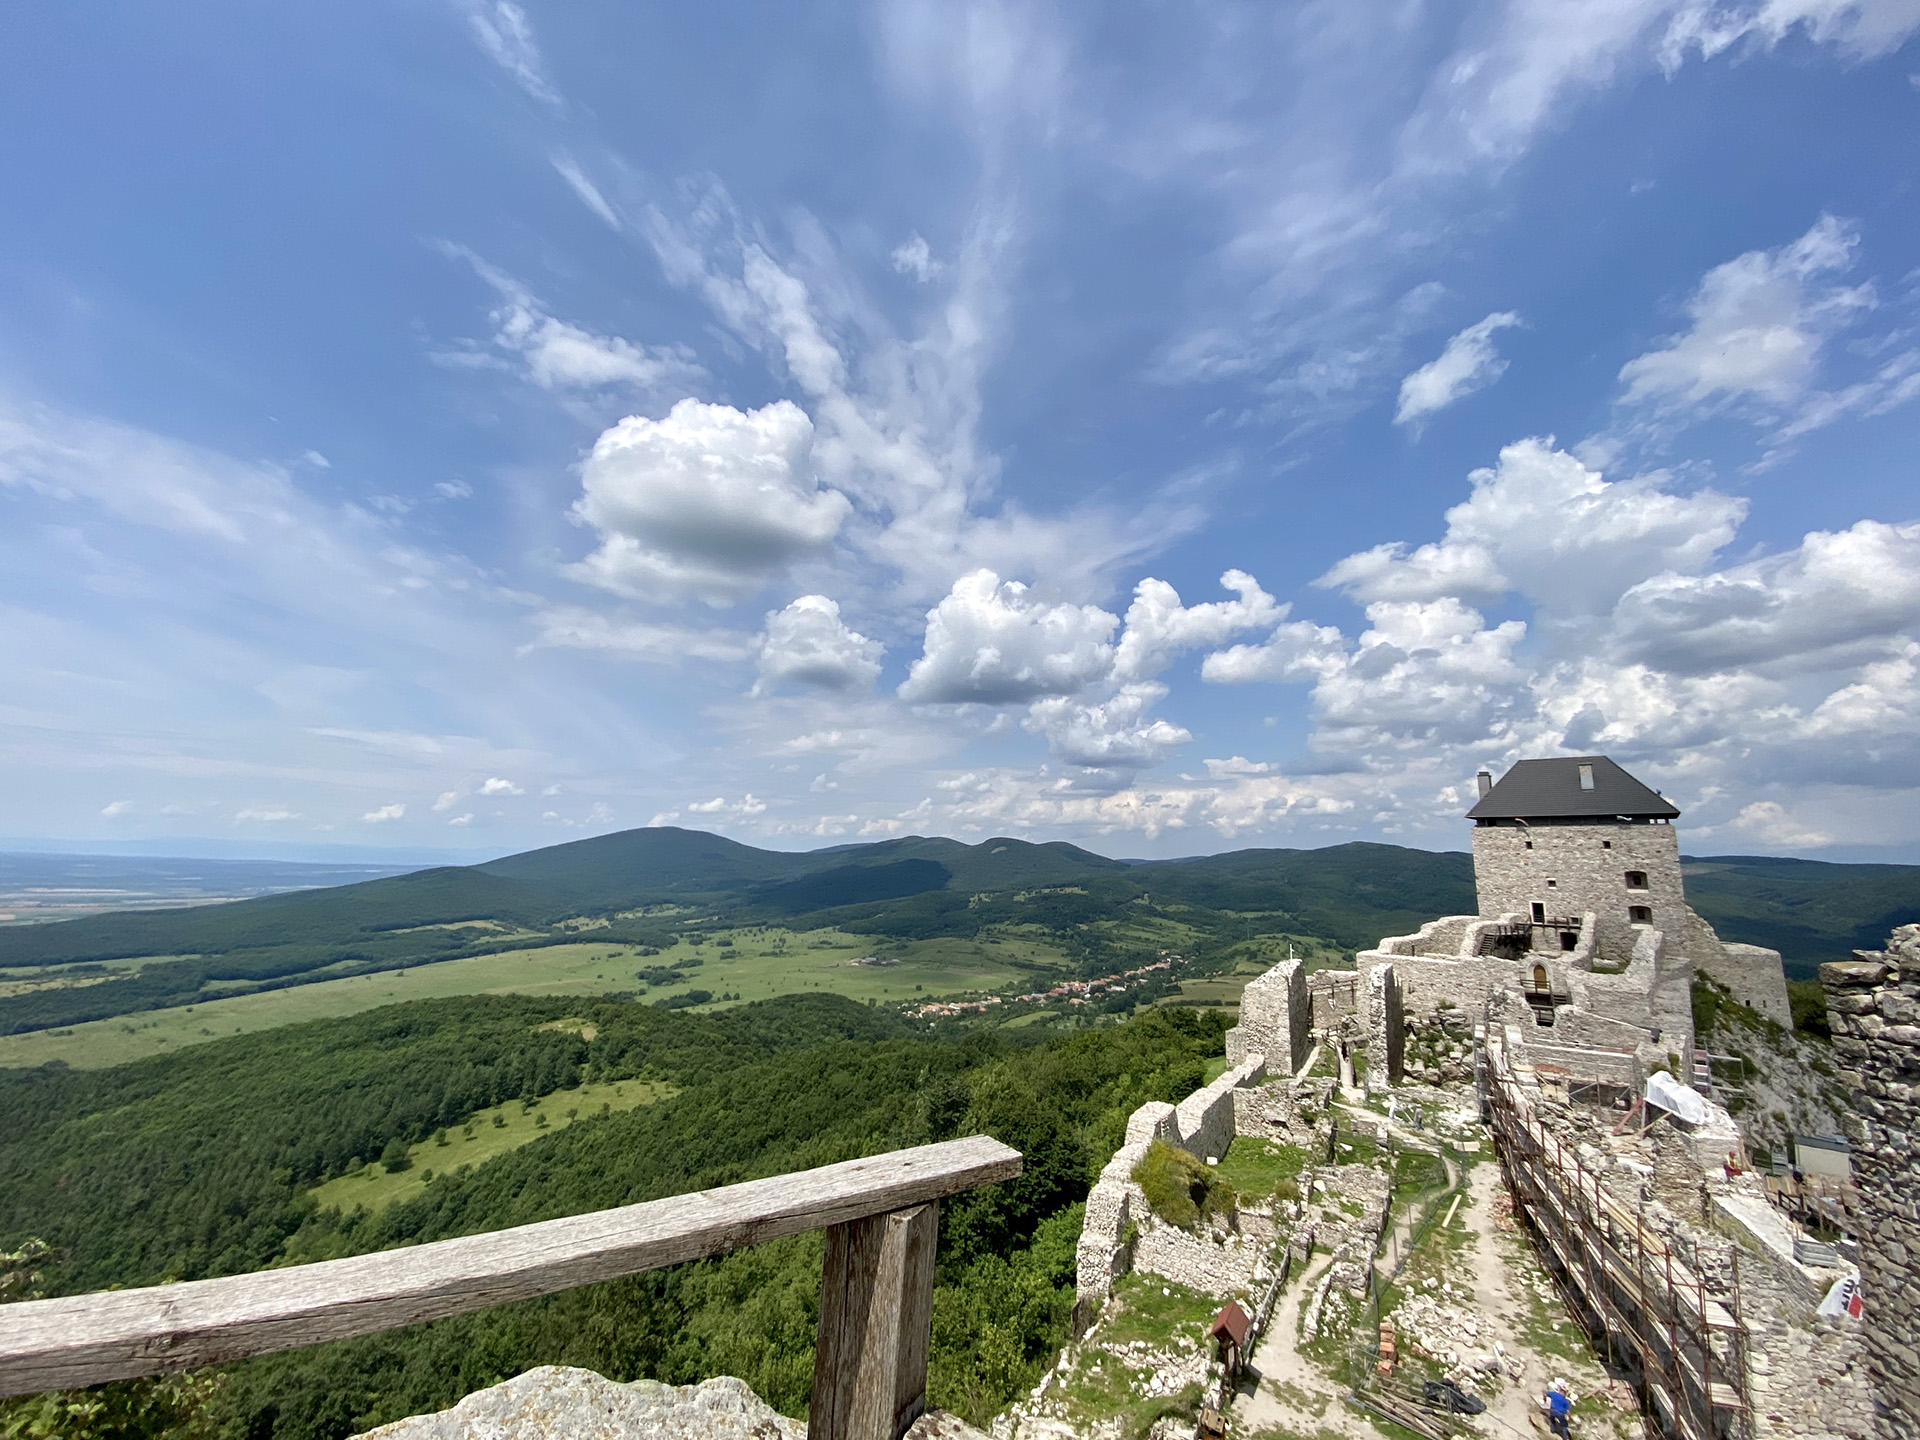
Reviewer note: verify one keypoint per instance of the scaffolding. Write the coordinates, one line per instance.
(1624, 1282)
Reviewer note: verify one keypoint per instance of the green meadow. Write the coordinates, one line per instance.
(487, 1133)
(760, 963)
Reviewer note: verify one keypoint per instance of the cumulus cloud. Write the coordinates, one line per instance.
(384, 814)
(1159, 627)
(1758, 323)
(115, 808)
(809, 644)
(264, 814)
(1805, 608)
(991, 642)
(446, 801)
(1111, 734)
(1468, 363)
(466, 819)
(709, 502)
(1545, 524)
(498, 786)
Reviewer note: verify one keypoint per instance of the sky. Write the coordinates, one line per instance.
(465, 425)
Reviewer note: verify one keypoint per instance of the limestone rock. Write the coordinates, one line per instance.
(559, 1402)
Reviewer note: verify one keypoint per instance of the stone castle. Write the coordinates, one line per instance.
(1562, 1013)
(1584, 947)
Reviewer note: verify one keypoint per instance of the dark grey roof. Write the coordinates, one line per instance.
(1550, 790)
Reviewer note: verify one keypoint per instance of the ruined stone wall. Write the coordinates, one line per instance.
(1386, 1034)
(1332, 995)
(1752, 975)
(1873, 1005)
(1275, 1017)
(1571, 869)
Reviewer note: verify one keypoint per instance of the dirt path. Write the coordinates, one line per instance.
(1291, 1393)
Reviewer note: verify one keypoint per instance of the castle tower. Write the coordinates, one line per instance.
(1558, 840)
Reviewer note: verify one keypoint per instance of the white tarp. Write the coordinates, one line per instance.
(1670, 1095)
(1843, 1298)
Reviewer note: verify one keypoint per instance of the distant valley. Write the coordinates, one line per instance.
(609, 916)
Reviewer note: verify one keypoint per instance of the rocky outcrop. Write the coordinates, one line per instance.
(559, 1402)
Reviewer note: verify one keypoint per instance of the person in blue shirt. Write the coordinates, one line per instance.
(1559, 1407)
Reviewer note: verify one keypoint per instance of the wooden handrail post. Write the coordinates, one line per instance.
(876, 1317)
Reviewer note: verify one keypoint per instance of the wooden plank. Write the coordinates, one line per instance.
(876, 1313)
(86, 1339)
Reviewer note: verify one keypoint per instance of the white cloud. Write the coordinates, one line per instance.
(454, 490)
(116, 808)
(1468, 363)
(710, 501)
(385, 813)
(1556, 530)
(446, 801)
(1807, 607)
(466, 819)
(264, 814)
(1860, 29)
(914, 257)
(1297, 650)
(1758, 323)
(809, 644)
(572, 627)
(1159, 627)
(1112, 734)
(503, 31)
(720, 810)
(1769, 823)
(588, 192)
(562, 357)
(498, 786)
(316, 459)
(990, 642)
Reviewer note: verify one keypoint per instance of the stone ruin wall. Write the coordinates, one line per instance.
(1276, 1018)
(1873, 1007)
(1202, 1124)
(1386, 1029)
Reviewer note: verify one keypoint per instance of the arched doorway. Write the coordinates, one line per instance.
(1540, 982)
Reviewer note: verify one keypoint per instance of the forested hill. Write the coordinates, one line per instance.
(644, 886)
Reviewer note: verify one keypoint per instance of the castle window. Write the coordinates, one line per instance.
(1527, 843)
(1539, 913)
(1553, 884)
(1586, 777)
(1606, 844)
(1636, 879)
(1640, 914)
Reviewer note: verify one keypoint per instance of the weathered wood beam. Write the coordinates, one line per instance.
(114, 1335)
(876, 1314)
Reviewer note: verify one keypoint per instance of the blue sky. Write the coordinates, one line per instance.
(1169, 427)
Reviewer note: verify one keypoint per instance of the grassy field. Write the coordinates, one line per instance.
(759, 964)
(489, 1133)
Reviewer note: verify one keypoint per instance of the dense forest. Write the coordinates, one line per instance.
(199, 1164)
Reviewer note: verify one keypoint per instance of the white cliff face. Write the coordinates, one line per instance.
(559, 1402)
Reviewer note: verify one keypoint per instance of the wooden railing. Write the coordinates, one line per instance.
(876, 1295)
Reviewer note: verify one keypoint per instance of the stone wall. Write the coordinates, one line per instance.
(1203, 1124)
(1571, 869)
(1386, 1036)
(1873, 1005)
(1752, 975)
(1275, 1017)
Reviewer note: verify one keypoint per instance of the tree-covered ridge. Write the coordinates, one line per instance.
(195, 1165)
(641, 887)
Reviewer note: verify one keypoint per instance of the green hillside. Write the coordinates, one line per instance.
(204, 1163)
(647, 888)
